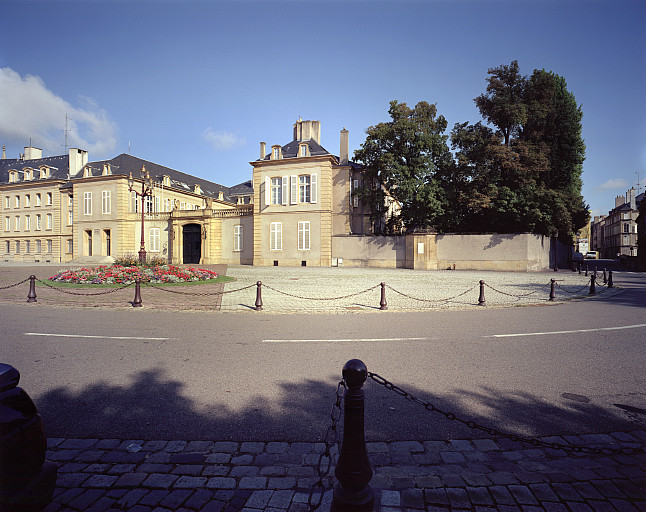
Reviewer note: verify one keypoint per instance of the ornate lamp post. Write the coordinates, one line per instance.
(146, 191)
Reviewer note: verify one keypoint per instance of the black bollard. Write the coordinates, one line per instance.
(137, 302)
(605, 277)
(593, 288)
(481, 299)
(586, 271)
(258, 296)
(610, 284)
(579, 266)
(353, 471)
(31, 295)
(382, 303)
(552, 289)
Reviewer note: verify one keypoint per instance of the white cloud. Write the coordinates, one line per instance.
(222, 140)
(613, 184)
(31, 111)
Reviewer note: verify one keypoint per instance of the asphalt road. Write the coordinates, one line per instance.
(568, 368)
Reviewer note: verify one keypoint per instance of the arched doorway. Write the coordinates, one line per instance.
(192, 235)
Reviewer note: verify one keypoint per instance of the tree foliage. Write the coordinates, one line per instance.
(401, 158)
(522, 175)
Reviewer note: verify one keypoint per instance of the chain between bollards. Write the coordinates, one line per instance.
(353, 472)
(481, 299)
(31, 295)
(258, 305)
(382, 303)
(136, 303)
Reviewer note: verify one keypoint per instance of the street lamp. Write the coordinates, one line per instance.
(146, 191)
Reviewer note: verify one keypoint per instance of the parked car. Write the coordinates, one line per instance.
(592, 255)
(27, 480)
(577, 256)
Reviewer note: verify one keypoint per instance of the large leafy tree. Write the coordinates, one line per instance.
(402, 158)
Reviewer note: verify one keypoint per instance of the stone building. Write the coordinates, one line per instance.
(615, 235)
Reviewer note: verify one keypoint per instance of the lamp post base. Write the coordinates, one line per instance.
(142, 256)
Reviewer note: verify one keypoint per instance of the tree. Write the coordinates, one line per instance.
(502, 105)
(402, 158)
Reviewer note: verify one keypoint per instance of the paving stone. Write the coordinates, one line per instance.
(502, 478)
(286, 482)
(188, 469)
(175, 446)
(543, 492)
(155, 468)
(53, 442)
(428, 481)
(461, 445)
(479, 496)
(281, 499)
(426, 458)
(200, 446)
(89, 455)
(252, 447)
(218, 458)
(485, 445)
(301, 471)
(131, 480)
(160, 481)
(475, 478)
(216, 470)
(153, 498)
(554, 507)
(77, 444)
(458, 497)
(72, 467)
(566, 492)
(578, 507)
(253, 482)
(390, 498)
(225, 446)
(277, 447)
(63, 455)
(154, 446)
(262, 459)
(376, 448)
(97, 468)
(630, 489)
(412, 498)
(118, 457)
(501, 495)
(219, 482)
(71, 479)
(273, 471)
(259, 499)
(187, 458)
(86, 499)
(243, 460)
(175, 498)
(131, 498)
(239, 471)
(522, 494)
(190, 482)
(406, 446)
(214, 506)
(159, 457)
(200, 498)
(452, 457)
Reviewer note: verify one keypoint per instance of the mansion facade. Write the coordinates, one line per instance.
(67, 209)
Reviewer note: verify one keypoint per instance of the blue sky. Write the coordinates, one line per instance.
(196, 85)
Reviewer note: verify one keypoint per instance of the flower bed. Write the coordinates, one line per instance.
(117, 274)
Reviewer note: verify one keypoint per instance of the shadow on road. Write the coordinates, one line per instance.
(154, 407)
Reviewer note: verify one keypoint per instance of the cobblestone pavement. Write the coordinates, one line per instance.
(480, 475)
(330, 290)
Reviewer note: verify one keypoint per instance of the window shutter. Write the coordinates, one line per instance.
(294, 191)
(267, 191)
(313, 188)
(285, 187)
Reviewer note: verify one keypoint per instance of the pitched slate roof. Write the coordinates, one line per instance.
(290, 150)
(59, 166)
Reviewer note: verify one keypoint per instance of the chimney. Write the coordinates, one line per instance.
(307, 130)
(263, 150)
(631, 198)
(32, 153)
(77, 160)
(4, 152)
(345, 148)
(619, 200)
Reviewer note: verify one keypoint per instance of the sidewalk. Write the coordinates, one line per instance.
(479, 475)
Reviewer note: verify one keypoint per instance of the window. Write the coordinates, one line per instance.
(7, 247)
(49, 198)
(87, 203)
(106, 202)
(134, 204)
(27, 246)
(70, 218)
(153, 239)
(276, 191)
(38, 246)
(37, 199)
(70, 246)
(17, 246)
(276, 236)
(49, 221)
(157, 203)
(7, 202)
(38, 221)
(17, 202)
(148, 204)
(304, 188)
(303, 150)
(17, 223)
(49, 246)
(626, 228)
(27, 200)
(304, 235)
(355, 201)
(7, 223)
(182, 205)
(237, 238)
(167, 205)
(70, 200)
(276, 153)
(294, 189)
(27, 222)
(27, 177)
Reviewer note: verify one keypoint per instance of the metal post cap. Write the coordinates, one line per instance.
(355, 373)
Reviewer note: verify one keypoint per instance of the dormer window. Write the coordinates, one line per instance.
(27, 175)
(275, 152)
(44, 173)
(166, 181)
(107, 169)
(13, 176)
(302, 150)
(87, 172)
(197, 189)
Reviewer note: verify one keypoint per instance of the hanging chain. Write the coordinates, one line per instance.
(320, 298)
(325, 459)
(13, 285)
(495, 432)
(63, 290)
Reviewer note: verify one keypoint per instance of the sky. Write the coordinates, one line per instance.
(196, 85)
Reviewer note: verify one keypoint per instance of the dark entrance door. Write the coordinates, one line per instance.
(192, 243)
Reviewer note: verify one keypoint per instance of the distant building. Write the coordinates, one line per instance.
(615, 235)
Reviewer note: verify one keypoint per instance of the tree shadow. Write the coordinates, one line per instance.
(154, 406)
